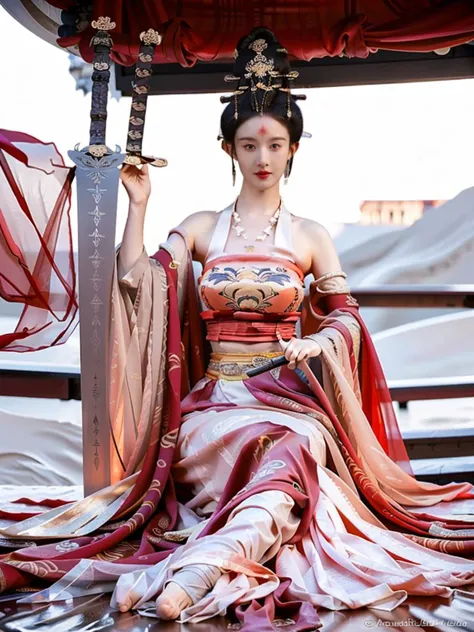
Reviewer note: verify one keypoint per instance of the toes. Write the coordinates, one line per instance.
(172, 601)
(128, 601)
(130, 588)
(125, 605)
(166, 609)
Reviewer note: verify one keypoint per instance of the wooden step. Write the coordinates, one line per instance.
(408, 390)
(426, 443)
(444, 470)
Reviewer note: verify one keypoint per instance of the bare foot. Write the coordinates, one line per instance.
(126, 605)
(171, 601)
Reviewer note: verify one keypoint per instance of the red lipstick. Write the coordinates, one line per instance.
(263, 174)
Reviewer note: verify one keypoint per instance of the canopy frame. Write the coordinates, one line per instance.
(379, 68)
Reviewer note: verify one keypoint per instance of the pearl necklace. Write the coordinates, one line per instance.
(266, 231)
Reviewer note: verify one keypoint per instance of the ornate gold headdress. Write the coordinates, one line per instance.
(261, 78)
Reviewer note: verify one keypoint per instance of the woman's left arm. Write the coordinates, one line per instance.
(329, 288)
(329, 278)
(330, 305)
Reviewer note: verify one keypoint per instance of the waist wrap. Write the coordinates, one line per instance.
(249, 326)
(233, 366)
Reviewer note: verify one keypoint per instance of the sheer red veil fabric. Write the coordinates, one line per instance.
(37, 266)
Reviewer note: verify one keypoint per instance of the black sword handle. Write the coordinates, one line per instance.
(136, 123)
(143, 71)
(102, 43)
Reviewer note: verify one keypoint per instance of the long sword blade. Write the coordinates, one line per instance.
(97, 180)
(97, 191)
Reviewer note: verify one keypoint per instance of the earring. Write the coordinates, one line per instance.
(234, 173)
(287, 172)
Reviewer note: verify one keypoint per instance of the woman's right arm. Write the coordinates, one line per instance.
(137, 184)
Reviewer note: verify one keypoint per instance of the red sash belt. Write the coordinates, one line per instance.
(249, 326)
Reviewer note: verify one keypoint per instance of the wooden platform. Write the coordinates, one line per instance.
(93, 614)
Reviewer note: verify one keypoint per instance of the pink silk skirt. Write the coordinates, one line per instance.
(342, 557)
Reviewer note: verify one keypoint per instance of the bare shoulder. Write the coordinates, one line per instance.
(192, 226)
(199, 216)
(314, 229)
(198, 227)
(197, 222)
(315, 247)
(308, 237)
(321, 248)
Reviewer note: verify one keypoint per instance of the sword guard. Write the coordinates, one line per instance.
(96, 156)
(138, 159)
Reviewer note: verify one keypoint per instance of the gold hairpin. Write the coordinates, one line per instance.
(260, 72)
(259, 66)
(258, 45)
(229, 78)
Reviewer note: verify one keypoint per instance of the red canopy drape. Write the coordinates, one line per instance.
(208, 30)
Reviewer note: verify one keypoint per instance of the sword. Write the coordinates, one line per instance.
(97, 179)
(97, 186)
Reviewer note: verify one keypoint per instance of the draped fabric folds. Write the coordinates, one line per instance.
(189, 452)
(135, 531)
(376, 401)
(205, 31)
(36, 254)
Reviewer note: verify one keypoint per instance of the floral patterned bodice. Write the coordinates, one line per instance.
(259, 284)
(250, 297)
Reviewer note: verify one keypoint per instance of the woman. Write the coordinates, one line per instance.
(276, 493)
(256, 276)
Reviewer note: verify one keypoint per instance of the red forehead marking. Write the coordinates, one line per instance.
(262, 130)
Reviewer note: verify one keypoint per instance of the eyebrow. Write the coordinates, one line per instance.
(251, 138)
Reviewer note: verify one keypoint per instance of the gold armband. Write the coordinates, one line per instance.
(330, 283)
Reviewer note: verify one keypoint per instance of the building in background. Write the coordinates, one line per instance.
(398, 212)
(436, 249)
